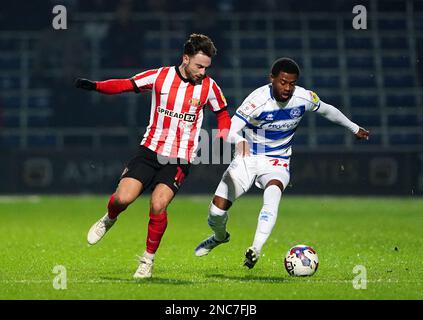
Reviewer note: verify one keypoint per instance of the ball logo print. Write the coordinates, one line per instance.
(301, 260)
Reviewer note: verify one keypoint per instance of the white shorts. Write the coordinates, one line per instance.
(243, 171)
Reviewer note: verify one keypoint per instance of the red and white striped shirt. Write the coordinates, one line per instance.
(176, 110)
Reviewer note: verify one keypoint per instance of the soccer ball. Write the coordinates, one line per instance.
(301, 260)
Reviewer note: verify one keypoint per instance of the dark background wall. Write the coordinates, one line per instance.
(85, 171)
(55, 138)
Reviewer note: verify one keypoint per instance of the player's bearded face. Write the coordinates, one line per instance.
(283, 86)
(196, 66)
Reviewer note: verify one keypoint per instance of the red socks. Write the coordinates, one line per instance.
(156, 228)
(114, 209)
(156, 225)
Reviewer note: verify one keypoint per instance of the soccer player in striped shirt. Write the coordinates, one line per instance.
(269, 117)
(178, 95)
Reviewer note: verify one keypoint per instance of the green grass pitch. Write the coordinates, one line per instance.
(382, 234)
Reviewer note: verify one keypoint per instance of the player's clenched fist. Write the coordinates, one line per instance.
(362, 134)
(85, 84)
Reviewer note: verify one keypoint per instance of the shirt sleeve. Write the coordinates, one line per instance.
(333, 114)
(234, 135)
(216, 99)
(313, 101)
(144, 80)
(247, 111)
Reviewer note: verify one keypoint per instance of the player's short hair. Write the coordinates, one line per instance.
(199, 42)
(285, 65)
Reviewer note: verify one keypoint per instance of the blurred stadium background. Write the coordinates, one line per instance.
(57, 139)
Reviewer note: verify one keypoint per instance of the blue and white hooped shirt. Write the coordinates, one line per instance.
(270, 124)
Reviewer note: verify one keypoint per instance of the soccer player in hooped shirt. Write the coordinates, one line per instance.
(178, 95)
(269, 117)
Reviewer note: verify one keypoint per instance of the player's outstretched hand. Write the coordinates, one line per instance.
(85, 84)
(362, 134)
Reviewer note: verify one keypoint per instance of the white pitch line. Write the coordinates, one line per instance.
(14, 199)
(25, 281)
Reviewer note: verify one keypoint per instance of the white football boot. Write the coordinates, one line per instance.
(99, 229)
(208, 244)
(145, 268)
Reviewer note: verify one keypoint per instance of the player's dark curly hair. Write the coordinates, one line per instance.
(285, 65)
(199, 42)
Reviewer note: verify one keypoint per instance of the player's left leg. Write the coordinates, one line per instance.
(167, 183)
(273, 176)
(266, 221)
(157, 224)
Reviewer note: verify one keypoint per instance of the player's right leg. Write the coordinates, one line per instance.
(217, 219)
(236, 180)
(127, 191)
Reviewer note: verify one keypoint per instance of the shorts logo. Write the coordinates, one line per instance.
(295, 113)
(124, 172)
(179, 178)
(189, 117)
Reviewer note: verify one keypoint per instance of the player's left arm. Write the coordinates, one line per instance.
(217, 103)
(223, 123)
(335, 115)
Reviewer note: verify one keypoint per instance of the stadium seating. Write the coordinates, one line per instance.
(373, 75)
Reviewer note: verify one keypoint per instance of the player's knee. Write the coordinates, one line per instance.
(158, 206)
(275, 182)
(222, 203)
(124, 199)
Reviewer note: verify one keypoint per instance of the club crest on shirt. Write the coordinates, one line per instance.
(295, 113)
(195, 102)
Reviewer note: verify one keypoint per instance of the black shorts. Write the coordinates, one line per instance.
(150, 170)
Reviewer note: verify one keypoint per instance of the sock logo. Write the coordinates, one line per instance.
(265, 215)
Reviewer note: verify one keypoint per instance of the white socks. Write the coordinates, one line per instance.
(149, 256)
(217, 221)
(267, 216)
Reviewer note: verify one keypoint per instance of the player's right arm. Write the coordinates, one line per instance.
(243, 115)
(141, 81)
(235, 137)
